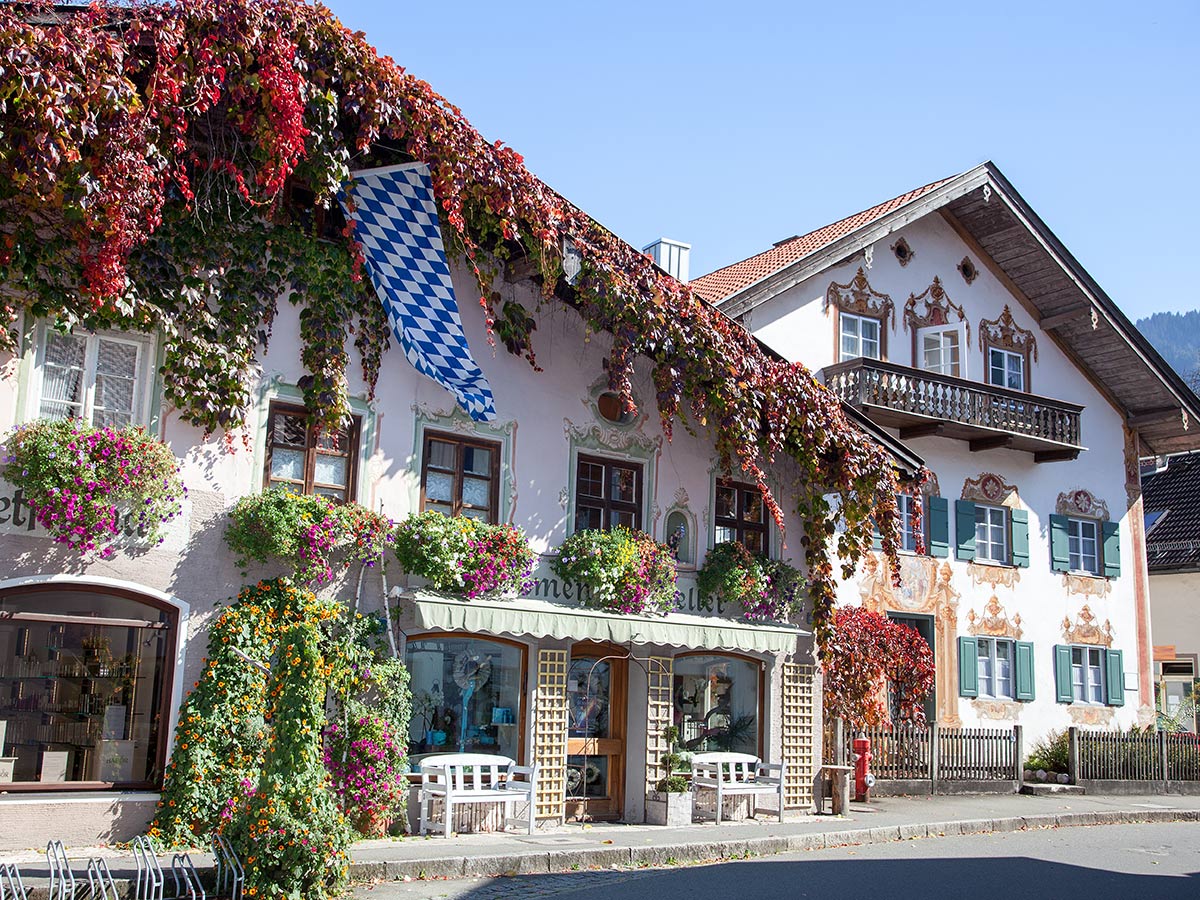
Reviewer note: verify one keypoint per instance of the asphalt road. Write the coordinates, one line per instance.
(1128, 862)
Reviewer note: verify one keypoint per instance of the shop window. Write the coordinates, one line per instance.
(741, 516)
(717, 703)
(466, 696)
(608, 493)
(461, 476)
(305, 461)
(85, 682)
(99, 378)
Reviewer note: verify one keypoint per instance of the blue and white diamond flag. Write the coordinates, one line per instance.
(396, 221)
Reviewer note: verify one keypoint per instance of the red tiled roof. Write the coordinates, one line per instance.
(716, 286)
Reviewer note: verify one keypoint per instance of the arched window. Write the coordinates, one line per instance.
(85, 686)
(466, 695)
(718, 703)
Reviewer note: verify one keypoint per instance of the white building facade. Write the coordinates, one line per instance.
(952, 317)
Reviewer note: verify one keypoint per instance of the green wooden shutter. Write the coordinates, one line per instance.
(1112, 548)
(1024, 670)
(1062, 673)
(968, 667)
(964, 529)
(1060, 544)
(939, 526)
(1114, 678)
(1020, 537)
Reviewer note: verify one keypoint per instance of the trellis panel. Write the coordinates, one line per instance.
(797, 733)
(658, 716)
(550, 733)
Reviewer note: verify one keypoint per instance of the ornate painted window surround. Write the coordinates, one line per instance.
(940, 311)
(278, 389)
(455, 421)
(857, 297)
(623, 442)
(1004, 333)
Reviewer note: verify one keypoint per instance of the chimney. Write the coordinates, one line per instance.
(670, 256)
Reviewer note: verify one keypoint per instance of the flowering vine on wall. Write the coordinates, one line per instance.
(172, 167)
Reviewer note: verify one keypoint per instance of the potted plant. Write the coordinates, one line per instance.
(768, 590)
(464, 556)
(670, 803)
(626, 571)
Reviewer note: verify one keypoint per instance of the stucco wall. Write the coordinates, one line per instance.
(1175, 606)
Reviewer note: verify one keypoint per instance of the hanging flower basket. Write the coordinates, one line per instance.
(768, 590)
(87, 484)
(464, 556)
(626, 571)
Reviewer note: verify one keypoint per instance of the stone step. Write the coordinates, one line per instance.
(1043, 790)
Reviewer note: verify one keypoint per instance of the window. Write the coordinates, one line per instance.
(1006, 369)
(716, 703)
(466, 696)
(1084, 555)
(995, 668)
(608, 493)
(860, 336)
(460, 476)
(940, 350)
(86, 680)
(909, 507)
(302, 460)
(991, 533)
(98, 378)
(741, 516)
(1087, 674)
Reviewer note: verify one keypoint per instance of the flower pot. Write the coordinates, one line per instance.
(673, 810)
(373, 823)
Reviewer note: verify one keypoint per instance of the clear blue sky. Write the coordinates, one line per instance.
(734, 125)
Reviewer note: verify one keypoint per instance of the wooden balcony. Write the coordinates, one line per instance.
(922, 404)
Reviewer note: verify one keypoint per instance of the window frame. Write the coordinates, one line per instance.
(1006, 534)
(959, 330)
(311, 451)
(906, 521)
(739, 525)
(461, 442)
(1087, 650)
(606, 504)
(993, 678)
(1007, 354)
(880, 343)
(1077, 523)
(143, 378)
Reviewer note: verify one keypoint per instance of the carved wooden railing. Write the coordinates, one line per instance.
(870, 382)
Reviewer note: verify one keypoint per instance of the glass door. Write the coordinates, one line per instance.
(596, 689)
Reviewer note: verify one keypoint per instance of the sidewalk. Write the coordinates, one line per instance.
(574, 847)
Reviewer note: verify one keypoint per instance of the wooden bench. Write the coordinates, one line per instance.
(736, 774)
(459, 778)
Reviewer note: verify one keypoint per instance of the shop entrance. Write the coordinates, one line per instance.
(597, 688)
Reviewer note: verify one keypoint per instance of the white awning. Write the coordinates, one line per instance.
(538, 618)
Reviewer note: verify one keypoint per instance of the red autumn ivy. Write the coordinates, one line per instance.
(870, 657)
(171, 168)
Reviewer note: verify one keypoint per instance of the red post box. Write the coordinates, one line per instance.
(862, 763)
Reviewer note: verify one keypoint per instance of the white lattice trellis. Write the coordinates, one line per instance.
(658, 716)
(798, 735)
(550, 733)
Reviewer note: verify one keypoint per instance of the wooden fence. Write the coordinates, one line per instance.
(1134, 756)
(938, 754)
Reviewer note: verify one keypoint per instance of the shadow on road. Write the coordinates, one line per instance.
(1003, 878)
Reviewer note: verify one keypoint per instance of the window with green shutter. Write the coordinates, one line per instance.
(964, 529)
(1114, 678)
(1060, 544)
(1111, 532)
(1020, 537)
(939, 527)
(1024, 670)
(1062, 673)
(968, 666)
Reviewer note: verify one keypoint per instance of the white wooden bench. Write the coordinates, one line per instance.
(736, 774)
(459, 778)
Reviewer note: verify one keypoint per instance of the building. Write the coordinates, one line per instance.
(1171, 495)
(955, 319)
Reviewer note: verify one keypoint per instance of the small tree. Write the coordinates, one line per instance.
(867, 655)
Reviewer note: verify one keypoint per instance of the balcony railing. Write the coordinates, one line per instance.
(923, 403)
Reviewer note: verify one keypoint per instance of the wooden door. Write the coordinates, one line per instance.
(596, 721)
